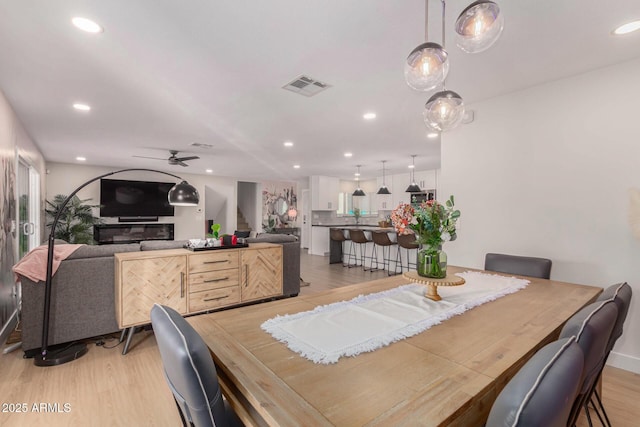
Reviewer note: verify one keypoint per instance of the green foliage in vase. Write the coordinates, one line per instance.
(432, 222)
(76, 221)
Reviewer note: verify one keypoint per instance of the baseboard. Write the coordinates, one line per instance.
(624, 361)
(8, 327)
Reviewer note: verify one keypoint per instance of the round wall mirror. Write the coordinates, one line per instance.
(280, 206)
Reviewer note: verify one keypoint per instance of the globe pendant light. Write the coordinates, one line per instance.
(444, 111)
(427, 65)
(479, 26)
(383, 188)
(413, 187)
(358, 191)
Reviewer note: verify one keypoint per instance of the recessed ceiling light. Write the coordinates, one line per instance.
(348, 154)
(627, 28)
(86, 25)
(296, 166)
(209, 171)
(81, 107)
(81, 159)
(432, 135)
(369, 116)
(288, 144)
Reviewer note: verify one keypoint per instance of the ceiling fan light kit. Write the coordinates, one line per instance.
(478, 27)
(173, 158)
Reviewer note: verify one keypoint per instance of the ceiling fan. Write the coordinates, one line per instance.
(173, 159)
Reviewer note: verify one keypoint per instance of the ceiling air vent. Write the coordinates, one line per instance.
(201, 145)
(305, 85)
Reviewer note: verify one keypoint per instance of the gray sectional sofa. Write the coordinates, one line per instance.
(83, 291)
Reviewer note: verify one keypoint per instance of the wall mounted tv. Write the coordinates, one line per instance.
(122, 198)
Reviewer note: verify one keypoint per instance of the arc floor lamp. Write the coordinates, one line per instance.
(181, 194)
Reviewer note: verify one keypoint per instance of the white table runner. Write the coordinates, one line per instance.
(368, 322)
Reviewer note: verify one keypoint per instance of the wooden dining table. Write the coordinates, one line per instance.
(449, 374)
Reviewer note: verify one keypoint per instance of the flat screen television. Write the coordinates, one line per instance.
(123, 198)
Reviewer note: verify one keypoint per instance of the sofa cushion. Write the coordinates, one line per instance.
(154, 245)
(96, 251)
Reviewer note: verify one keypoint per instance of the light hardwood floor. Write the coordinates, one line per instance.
(105, 388)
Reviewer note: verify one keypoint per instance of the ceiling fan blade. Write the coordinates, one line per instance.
(181, 163)
(182, 159)
(154, 158)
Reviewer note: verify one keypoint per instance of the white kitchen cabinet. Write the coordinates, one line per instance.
(384, 202)
(398, 193)
(324, 193)
(426, 179)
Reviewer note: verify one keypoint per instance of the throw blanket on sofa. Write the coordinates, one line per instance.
(368, 322)
(34, 264)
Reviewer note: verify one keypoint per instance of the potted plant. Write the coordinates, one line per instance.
(356, 214)
(76, 221)
(433, 224)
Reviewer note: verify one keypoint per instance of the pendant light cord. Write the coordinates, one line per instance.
(443, 16)
(426, 20)
(444, 81)
(413, 169)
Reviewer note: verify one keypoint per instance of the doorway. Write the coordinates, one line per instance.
(28, 208)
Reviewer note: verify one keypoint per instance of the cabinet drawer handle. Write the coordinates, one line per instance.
(216, 280)
(246, 275)
(214, 299)
(215, 262)
(181, 285)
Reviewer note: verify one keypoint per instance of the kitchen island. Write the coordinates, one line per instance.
(335, 248)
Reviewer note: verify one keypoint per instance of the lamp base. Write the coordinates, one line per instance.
(59, 354)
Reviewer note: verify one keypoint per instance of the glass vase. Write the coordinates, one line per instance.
(432, 262)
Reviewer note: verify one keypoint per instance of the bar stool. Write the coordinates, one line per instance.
(337, 235)
(358, 238)
(381, 238)
(407, 241)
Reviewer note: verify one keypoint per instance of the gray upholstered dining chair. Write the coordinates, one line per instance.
(189, 371)
(542, 391)
(592, 326)
(620, 294)
(520, 265)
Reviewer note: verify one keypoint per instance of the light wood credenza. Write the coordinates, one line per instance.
(193, 282)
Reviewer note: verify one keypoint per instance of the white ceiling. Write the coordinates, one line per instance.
(165, 74)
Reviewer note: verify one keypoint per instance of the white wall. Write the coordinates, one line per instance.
(546, 172)
(216, 208)
(63, 178)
